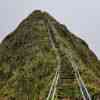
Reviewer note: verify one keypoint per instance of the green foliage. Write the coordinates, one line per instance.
(28, 61)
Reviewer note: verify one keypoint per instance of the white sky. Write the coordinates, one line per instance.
(82, 17)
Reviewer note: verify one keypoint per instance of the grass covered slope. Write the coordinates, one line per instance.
(28, 61)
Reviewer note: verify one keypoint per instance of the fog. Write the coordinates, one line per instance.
(82, 17)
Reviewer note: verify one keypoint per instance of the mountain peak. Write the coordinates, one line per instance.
(41, 15)
(31, 55)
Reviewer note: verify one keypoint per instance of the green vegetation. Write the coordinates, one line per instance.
(28, 61)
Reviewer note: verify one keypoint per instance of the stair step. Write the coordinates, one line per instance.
(67, 77)
(66, 73)
(65, 81)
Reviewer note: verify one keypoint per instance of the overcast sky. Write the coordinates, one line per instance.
(82, 17)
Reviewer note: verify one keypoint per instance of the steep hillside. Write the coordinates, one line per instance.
(28, 61)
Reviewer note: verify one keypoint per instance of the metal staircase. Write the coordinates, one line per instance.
(64, 76)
